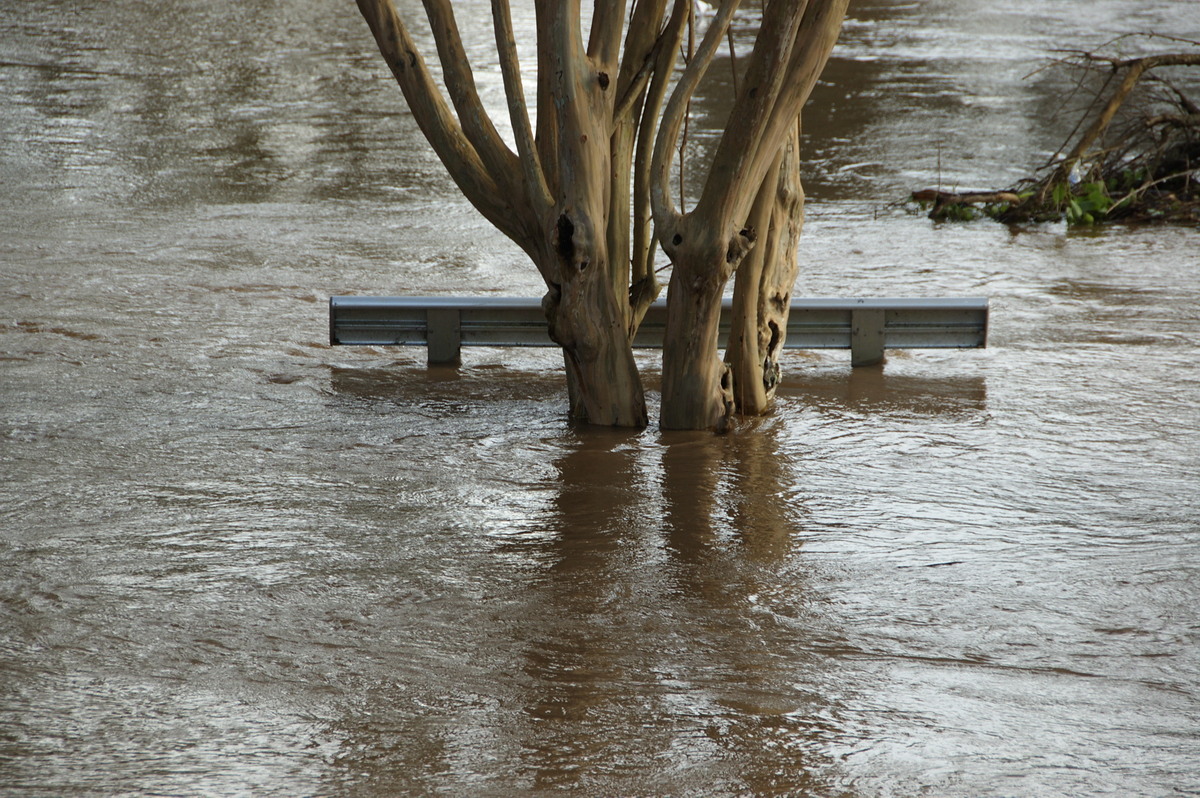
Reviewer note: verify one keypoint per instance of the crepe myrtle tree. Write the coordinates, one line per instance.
(586, 195)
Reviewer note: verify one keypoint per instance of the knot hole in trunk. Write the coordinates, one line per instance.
(564, 242)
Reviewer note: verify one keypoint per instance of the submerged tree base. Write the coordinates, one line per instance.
(1146, 168)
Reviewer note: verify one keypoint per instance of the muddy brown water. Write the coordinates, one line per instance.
(235, 561)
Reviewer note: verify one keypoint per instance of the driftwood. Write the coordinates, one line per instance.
(1148, 170)
(940, 198)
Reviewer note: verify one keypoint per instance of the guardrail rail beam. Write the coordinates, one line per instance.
(865, 326)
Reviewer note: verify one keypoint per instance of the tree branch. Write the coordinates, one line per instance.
(673, 116)
(536, 186)
(604, 43)
(646, 25)
(819, 31)
(1178, 120)
(642, 45)
(805, 58)
(438, 123)
(1136, 67)
(629, 97)
(546, 133)
(731, 185)
(643, 275)
(460, 82)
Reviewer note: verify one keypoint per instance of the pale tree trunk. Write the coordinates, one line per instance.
(709, 243)
(590, 104)
(697, 388)
(762, 289)
(563, 197)
(696, 385)
(587, 315)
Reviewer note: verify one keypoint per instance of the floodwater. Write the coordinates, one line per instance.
(235, 561)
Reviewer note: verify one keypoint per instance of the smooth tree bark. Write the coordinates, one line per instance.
(564, 194)
(709, 243)
(586, 195)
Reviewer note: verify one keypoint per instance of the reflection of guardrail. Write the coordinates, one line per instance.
(864, 326)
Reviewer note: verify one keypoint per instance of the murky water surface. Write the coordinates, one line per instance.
(236, 561)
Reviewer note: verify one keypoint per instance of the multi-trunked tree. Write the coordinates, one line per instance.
(587, 195)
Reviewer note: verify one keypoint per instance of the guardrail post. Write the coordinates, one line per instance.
(866, 336)
(443, 335)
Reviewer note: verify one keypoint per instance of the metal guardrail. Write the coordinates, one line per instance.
(865, 326)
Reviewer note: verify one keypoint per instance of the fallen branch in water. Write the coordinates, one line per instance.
(1149, 171)
(949, 197)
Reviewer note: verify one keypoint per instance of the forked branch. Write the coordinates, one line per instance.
(676, 111)
(460, 82)
(489, 186)
(506, 46)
